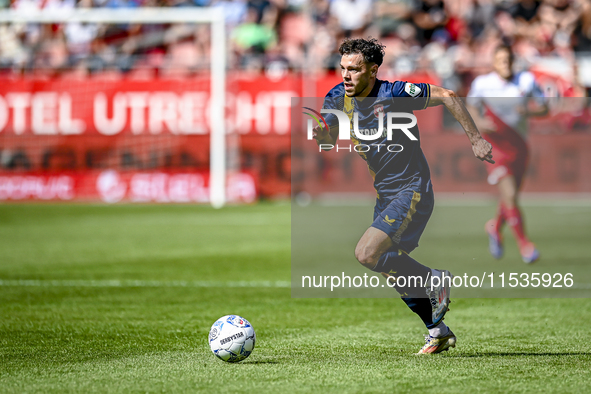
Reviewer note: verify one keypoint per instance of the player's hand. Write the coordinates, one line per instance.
(483, 150)
(319, 133)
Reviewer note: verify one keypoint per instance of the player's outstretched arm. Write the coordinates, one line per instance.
(482, 148)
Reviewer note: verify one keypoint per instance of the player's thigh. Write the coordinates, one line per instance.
(518, 169)
(408, 239)
(391, 222)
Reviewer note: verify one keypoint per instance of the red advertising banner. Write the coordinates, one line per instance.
(112, 186)
(111, 107)
(558, 164)
(148, 140)
(58, 139)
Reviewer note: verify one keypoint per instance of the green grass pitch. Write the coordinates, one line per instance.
(95, 299)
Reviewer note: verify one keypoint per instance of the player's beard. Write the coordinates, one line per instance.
(357, 89)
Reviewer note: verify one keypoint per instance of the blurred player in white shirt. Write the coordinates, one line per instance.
(500, 103)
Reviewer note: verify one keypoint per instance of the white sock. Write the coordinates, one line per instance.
(439, 330)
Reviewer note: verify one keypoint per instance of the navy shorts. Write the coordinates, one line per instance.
(404, 217)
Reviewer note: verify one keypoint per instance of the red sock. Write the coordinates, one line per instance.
(513, 216)
(500, 218)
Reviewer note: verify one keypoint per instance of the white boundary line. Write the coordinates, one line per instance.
(138, 283)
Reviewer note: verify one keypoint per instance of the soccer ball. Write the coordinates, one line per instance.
(232, 338)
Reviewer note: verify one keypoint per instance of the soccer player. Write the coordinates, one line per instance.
(401, 178)
(500, 103)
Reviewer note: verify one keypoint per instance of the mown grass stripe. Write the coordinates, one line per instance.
(138, 283)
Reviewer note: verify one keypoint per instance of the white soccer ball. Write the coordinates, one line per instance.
(232, 338)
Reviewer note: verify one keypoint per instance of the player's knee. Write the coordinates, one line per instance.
(366, 256)
(509, 200)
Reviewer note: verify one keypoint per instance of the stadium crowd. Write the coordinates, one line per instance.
(452, 38)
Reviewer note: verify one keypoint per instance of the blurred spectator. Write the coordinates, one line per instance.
(451, 39)
(79, 36)
(429, 16)
(251, 39)
(525, 14)
(390, 14)
(320, 11)
(12, 49)
(259, 7)
(234, 11)
(479, 16)
(582, 39)
(353, 16)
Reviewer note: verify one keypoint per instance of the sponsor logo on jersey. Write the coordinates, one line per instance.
(389, 221)
(412, 90)
(377, 109)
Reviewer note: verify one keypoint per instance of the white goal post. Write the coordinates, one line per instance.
(214, 16)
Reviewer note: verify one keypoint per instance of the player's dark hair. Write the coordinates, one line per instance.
(505, 47)
(371, 49)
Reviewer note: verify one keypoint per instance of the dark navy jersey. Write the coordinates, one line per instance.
(396, 164)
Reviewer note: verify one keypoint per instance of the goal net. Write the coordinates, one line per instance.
(116, 105)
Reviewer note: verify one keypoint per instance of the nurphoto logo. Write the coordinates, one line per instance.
(348, 127)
